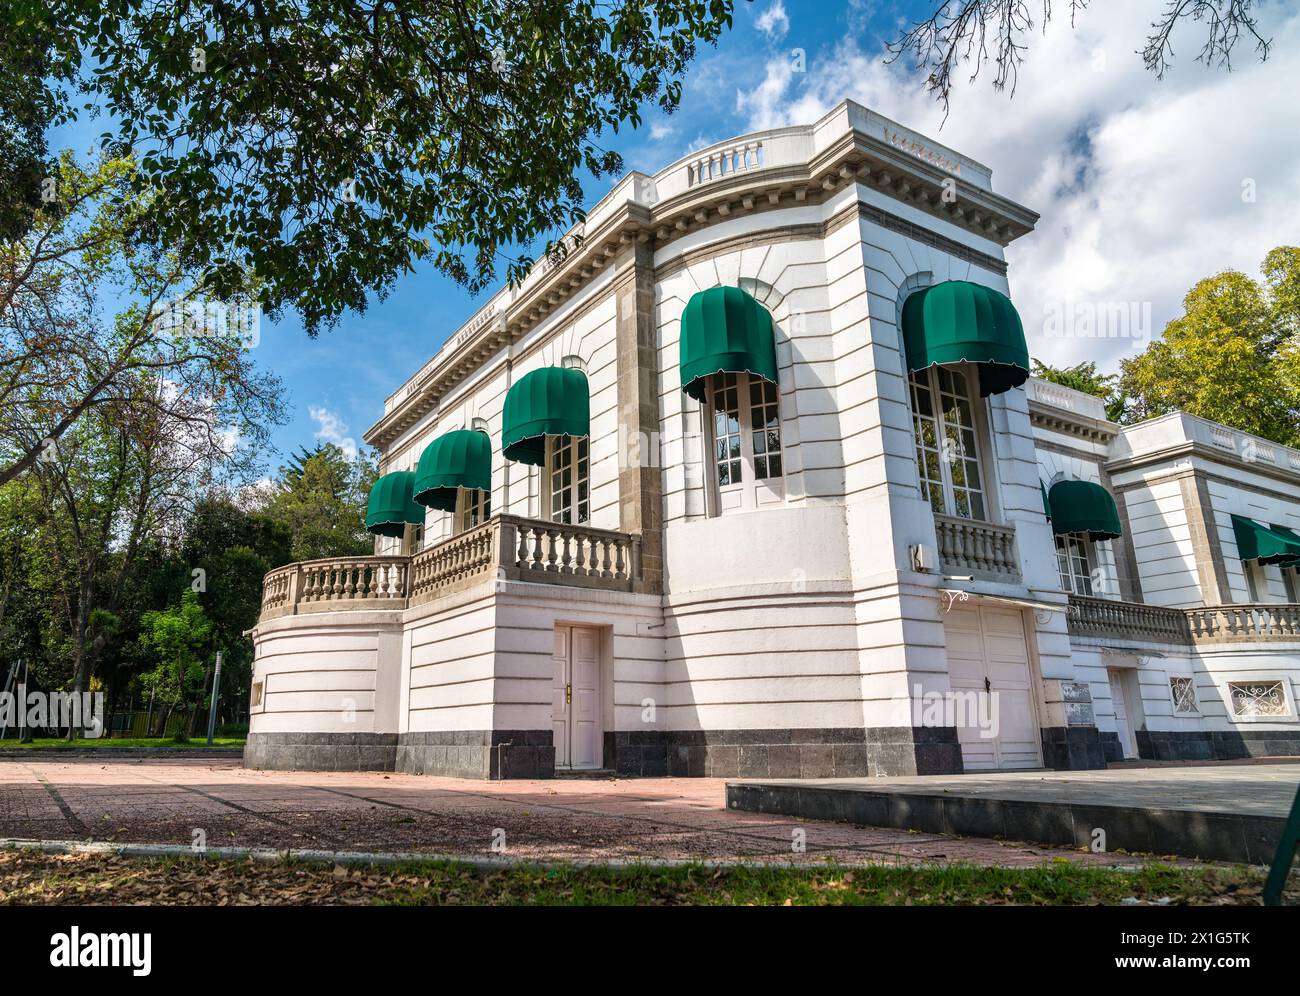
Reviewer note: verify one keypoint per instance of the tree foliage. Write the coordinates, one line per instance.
(1233, 356)
(958, 33)
(1087, 378)
(329, 146)
(61, 357)
(320, 501)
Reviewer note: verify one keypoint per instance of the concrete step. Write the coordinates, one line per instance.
(585, 773)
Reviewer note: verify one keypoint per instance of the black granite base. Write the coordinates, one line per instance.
(828, 752)
(321, 751)
(488, 754)
(1074, 748)
(1111, 748)
(1012, 813)
(1216, 745)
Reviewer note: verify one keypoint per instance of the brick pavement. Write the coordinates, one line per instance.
(165, 800)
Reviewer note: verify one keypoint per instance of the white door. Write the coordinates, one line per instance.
(988, 661)
(1122, 722)
(575, 698)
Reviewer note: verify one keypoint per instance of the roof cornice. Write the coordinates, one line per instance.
(852, 158)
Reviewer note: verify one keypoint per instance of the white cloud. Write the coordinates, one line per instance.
(332, 429)
(659, 130)
(773, 22)
(1138, 181)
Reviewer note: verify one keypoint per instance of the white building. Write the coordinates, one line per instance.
(754, 483)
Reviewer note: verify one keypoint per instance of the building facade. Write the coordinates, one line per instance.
(754, 482)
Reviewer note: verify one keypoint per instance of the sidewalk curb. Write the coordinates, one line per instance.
(482, 862)
(11, 753)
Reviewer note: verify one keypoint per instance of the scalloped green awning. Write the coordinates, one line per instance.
(1083, 507)
(390, 507)
(1288, 534)
(552, 401)
(724, 330)
(461, 458)
(1267, 544)
(958, 321)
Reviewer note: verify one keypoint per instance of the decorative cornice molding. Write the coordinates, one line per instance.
(855, 158)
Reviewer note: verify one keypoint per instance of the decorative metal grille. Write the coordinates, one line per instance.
(1257, 698)
(1184, 690)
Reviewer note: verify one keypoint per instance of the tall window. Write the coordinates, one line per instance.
(568, 475)
(473, 508)
(417, 539)
(1291, 578)
(1256, 580)
(744, 415)
(1074, 563)
(947, 449)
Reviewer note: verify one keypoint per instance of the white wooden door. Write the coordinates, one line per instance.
(988, 656)
(575, 698)
(1123, 724)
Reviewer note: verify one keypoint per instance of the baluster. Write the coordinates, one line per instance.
(620, 564)
(605, 571)
(552, 549)
(537, 547)
(566, 560)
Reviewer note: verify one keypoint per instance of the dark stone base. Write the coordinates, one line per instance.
(1111, 748)
(1211, 835)
(321, 751)
(1074, 748)
(492, 754)
(804, 753)
(488, 754)
(1216, 745)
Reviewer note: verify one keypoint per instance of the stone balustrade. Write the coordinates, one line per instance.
(1104, 617)
(1107, 618)
(1255, 621)
(506, 546)
(984, 550)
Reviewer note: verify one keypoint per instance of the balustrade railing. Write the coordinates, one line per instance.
(981, 549)
(567, 554)
(1102, 617)
(1254, 621)
(505, 546)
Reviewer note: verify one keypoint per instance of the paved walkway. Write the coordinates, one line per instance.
(165, 801)
(1226, 813)
(1259, 789)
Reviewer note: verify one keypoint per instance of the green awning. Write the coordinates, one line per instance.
(724, 330)
(1267, 544)
(552, 401)
(1083, 507)
(391, 507)
(1286, 533)
(1047, 508)
(958, 321)
(461, 458)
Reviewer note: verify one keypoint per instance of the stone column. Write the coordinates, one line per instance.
(1206, 547)
(640, 484)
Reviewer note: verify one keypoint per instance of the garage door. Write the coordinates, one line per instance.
(987, 654)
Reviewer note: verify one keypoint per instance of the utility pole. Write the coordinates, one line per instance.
(216, 689)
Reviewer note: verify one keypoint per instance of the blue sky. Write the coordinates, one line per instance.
(1139, 182)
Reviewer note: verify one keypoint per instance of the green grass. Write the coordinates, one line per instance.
(28, 877)
(1065, 884)
(199, 741)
